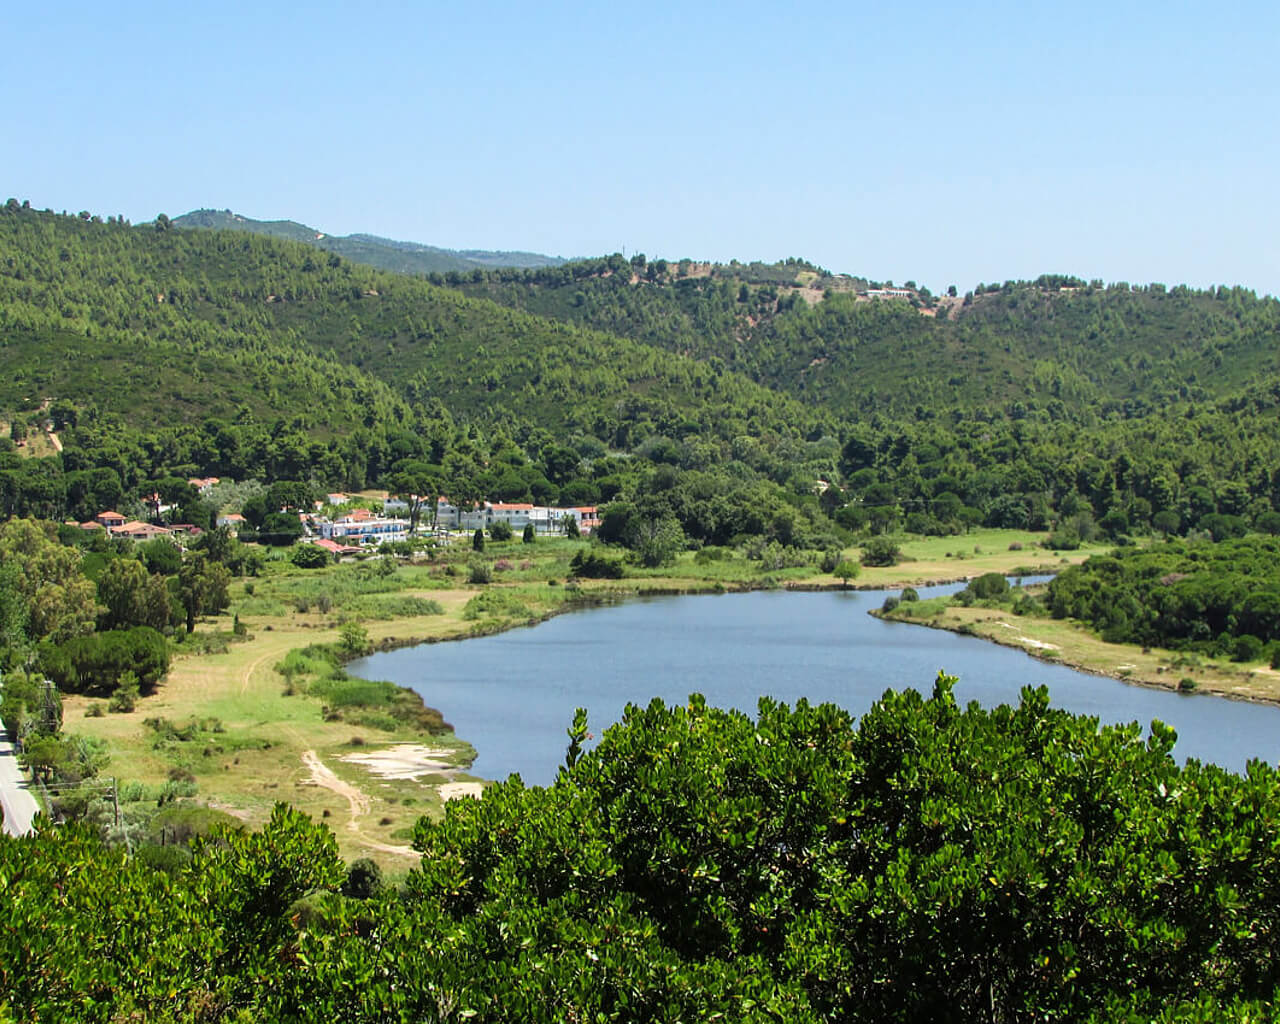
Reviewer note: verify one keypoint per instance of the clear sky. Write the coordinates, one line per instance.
(946, 143)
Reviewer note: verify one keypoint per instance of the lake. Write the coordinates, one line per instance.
(513, 695)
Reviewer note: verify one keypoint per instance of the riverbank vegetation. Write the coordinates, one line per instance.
(260, 684)
(927, 862)
(1105, 590)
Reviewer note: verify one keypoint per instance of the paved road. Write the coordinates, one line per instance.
(19, 805)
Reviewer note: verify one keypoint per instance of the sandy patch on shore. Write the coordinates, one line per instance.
(403, 761)
(454, 790)
(1039, 645)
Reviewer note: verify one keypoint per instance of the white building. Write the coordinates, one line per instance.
(364, 529)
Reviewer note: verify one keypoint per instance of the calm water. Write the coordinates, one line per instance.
(513, 695)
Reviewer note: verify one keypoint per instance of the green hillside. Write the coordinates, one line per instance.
(217, 293)
(119, 320)
(1058, 345)
(383, 253)
(1034, 404)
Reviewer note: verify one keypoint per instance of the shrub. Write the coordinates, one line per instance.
(987, 586)
(595, 566)
(353, 638)
(96, 664)
(477, 540)
(501, 530)
(881, 551)
(1246, 648)
(125, 697)
(308, 556)
(1186, 684)
(480, 571)
(890, 603)
(1063, 540)
(910, 594)
(529, 535)
(364, 880)
(497, 602)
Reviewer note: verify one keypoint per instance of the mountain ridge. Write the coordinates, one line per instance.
(399, 256)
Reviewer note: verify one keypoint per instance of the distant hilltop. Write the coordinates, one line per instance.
(383, 253)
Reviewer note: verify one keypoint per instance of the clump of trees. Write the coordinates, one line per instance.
(1196, 596)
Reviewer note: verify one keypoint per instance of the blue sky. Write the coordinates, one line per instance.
(941, 143)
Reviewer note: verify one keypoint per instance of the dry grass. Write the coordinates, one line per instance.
(257, 758)
(1071, 644)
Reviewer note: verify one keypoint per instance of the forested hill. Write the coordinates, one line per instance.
(236, 354)
(279, 313)
(1069, 348)
(383, 253)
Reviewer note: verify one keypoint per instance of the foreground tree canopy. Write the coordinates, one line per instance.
(930, 862)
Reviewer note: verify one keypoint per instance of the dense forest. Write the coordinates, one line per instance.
(1220, 599)
(931, 862)
(1055, 403)
(1057, 347)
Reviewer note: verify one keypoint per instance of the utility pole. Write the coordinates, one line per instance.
(49, 707)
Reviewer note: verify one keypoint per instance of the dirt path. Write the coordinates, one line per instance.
(323, 776)
(253, 667)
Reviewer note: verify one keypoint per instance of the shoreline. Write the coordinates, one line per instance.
(1052, 656)
(610, 595)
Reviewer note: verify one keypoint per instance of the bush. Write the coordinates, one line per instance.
(846, 571)
(364, 880)
(480, 571)
(353, 638)
(910, 594)
(498, 602)
(501, 530)
(879, 551)
(477, 540)
(125, 697)
(530, 535)
(595, 566)
(1246, 648)
(308, 556)
(1063, 540)
(988, 586)
(890, 604)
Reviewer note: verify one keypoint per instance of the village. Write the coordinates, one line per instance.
(349, 523)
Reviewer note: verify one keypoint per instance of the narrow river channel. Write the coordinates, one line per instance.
(513, 695)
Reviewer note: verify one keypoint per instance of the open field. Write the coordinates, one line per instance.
(945, 559)
(232, 731)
